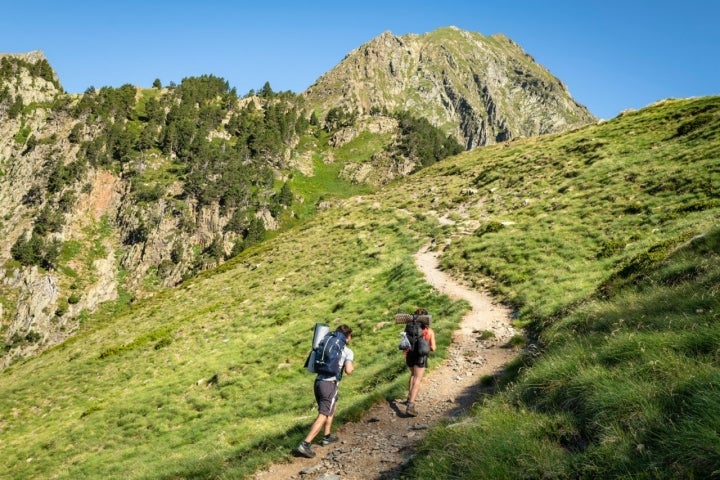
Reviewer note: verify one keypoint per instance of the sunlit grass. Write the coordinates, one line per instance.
(588, 235)
(213, 368)
(635, 377)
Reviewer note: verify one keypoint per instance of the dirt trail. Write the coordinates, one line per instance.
(381, 444)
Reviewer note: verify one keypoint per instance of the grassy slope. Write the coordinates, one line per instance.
(207, 380)
(585, 205)
(600, 262)
(193, 381)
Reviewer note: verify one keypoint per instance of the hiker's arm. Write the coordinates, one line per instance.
(432, 340)
(349, 367)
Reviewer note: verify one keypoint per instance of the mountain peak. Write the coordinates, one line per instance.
(481, 90)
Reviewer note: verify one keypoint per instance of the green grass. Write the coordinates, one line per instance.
(199, 377)
(592, 236)
(628, 372)
(324, 185)
(567, 197)
(636, 379)
(362, 148)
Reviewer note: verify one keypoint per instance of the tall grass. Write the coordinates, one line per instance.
(606, 241)
(632, 382)
(591, 235)
(207, 379)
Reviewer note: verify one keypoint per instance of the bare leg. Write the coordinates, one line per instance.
(411, 381)
(415, 379)
(328, 424)
(317, 425)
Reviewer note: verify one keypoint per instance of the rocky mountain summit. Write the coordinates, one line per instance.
(115, 194)
(481, 90)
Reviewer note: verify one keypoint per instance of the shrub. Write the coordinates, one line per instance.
(489, 227)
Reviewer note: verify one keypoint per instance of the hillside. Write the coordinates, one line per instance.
(114, 195)
(582, 233)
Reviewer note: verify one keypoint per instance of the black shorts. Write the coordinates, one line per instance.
(326, 396)
(415, 360)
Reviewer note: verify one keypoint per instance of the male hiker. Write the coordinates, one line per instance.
(326, 384)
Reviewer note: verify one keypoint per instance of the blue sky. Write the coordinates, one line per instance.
(613, 55)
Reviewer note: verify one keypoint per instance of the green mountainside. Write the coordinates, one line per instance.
(116, 194)
(604, 239)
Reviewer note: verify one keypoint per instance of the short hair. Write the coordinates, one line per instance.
(421, 311)
(344, 329)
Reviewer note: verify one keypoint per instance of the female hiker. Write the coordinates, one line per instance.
(417, 360)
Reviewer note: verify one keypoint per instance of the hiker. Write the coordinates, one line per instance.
(417, 363)
(326, 394)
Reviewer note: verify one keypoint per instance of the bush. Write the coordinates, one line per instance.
(490, 227)
(62, 309)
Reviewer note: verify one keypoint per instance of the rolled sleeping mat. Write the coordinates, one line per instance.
(409, 317)
(321, 329)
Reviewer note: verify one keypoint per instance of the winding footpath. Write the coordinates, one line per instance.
(381, 444)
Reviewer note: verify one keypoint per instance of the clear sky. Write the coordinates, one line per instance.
(613, 55)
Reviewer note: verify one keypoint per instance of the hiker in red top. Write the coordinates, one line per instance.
(417, 362)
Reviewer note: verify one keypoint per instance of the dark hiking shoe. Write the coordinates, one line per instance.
(305, 450)
(411, 411)
(328, 439)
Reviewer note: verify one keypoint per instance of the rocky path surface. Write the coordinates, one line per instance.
(383, 442)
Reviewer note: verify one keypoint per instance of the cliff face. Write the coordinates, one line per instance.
(482, 90)
(30, 294)
(85, 222)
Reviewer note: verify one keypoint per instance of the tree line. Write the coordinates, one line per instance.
(223, 150)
